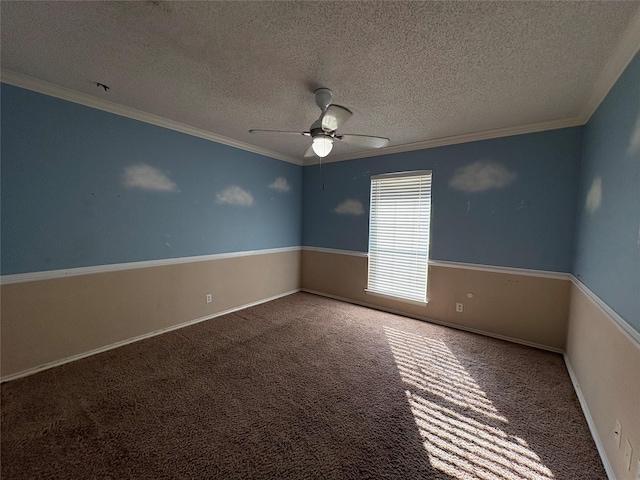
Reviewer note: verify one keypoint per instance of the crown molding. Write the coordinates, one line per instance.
(625, 51)
(627, 48)
(40, 86)
(455, 139)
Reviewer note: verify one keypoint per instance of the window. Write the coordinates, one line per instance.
(399, 235)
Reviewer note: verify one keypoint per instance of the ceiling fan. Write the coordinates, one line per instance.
(323, 130)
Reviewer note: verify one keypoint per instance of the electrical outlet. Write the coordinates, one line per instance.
(628, 451)
(209, 298)
(617, 433)
(459, 307)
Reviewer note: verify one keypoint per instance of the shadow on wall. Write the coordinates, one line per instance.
(463, 432)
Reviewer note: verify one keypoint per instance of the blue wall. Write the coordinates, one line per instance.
(506, 202)
(84, 187)
(607, 253)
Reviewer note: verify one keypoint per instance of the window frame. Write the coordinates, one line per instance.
(422, 245)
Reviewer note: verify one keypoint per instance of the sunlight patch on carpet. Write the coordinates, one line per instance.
(462, 430)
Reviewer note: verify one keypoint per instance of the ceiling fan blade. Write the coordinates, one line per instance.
(334, 117)
(261, 130)
(365, 141)
(309, 152)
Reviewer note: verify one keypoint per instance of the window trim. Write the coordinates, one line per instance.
(368, 291)
(397, 299)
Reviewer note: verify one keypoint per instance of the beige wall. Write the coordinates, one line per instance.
(606, 365)
(528, 309)
(549, 312)
(49, 320)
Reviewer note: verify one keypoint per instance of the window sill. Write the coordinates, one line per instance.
(396, 299)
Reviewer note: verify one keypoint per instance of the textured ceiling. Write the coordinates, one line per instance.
(410, 71)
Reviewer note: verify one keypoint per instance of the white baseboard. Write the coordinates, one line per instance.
(437, 322)
(574, 381)
(73, 358)
(587, 416)
(581, 399)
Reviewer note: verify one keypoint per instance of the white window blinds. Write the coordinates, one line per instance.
(399, 235)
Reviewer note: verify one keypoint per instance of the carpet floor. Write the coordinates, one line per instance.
(301, 387)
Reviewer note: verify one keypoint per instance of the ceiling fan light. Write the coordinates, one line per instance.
(322, 145)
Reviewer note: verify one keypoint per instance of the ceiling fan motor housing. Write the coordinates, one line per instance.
(316, 129)
(319, 132)
(324, 97)
(323, 130)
